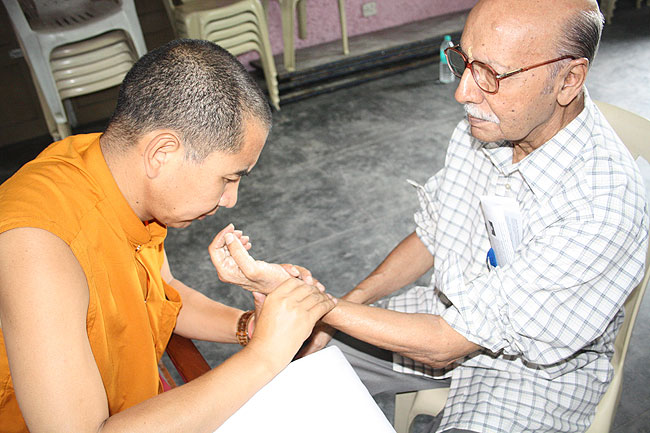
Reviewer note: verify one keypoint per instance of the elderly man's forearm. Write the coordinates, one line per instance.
(424, 337)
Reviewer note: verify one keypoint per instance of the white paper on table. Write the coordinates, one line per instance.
(503, 224)
(320, 393)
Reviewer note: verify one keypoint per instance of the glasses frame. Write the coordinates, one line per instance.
(498, 77)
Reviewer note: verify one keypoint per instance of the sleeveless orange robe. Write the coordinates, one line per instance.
(69, 191)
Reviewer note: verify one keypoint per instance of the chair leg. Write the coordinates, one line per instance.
(302, 19)
(47, 114)
(58, 131)
(271, 78)
(288, 12)
(70, 113)
(132, 27)
(344, 27)
(268, 64)
(64, 130)
(403, 404)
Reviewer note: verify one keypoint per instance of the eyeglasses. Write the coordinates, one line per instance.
(485, 76)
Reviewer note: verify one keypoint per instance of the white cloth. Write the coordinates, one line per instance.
(548, 320)
(319, 393)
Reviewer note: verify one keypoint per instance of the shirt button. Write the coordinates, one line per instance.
(507, 186)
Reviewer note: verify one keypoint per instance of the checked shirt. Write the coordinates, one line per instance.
(547, 321)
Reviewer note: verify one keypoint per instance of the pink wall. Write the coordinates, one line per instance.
(323, 18)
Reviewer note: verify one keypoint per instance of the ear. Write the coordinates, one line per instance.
(574, 77)
(160, 148)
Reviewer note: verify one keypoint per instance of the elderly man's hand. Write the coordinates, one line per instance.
(234, 265)
(320, 337)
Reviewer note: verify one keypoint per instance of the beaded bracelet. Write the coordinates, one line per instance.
(242, 328)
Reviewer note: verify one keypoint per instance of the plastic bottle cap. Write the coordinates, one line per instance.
(447, 38)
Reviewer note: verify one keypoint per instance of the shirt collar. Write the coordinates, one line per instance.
(543, 169)
(500, 154)
(138, 233)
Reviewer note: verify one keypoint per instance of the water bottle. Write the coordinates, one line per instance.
(446, 76)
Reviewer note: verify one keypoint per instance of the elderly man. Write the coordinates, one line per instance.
(526, 345)
(87, 299)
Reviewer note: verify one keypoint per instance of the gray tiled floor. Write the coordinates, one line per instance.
(329, 191)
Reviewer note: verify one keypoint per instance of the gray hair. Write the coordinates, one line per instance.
(579, 37)
(193, 87)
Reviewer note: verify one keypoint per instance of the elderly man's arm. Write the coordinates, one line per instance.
(424, 337)
(408, 261)
(44, 299)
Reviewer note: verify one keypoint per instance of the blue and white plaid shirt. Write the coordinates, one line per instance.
(547, 321)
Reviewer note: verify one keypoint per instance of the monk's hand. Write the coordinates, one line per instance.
(287, 318)
(229, 254)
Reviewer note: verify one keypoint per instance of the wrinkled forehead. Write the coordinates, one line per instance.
(509, 36)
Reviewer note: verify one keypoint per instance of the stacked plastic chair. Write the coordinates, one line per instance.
(237, 25)
(288, 8)
(75, 47)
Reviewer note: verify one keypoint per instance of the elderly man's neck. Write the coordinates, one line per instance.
(561, 117)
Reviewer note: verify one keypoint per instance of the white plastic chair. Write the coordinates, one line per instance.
(92, 65)
(61, 38)
(288, 8)
(634, 131)
(237, 25)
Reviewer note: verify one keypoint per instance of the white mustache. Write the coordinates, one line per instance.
(473, 111)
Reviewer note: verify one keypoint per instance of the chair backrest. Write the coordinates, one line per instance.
(634, 131)
(170, 7)
(58, 22)
(186, 358)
